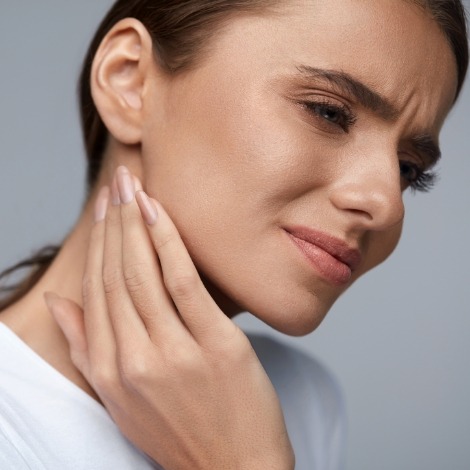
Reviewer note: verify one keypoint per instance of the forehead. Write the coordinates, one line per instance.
(393, 46)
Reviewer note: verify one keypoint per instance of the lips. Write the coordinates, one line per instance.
(332, 257)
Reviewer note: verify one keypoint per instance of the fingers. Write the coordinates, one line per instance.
(198, 310)
(142, 273)
(128, 327)
(99, 331)
(140, 283)
(69, 317)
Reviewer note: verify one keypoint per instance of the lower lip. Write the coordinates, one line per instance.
(331, 269)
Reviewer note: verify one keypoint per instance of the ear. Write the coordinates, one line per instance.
(119, 75)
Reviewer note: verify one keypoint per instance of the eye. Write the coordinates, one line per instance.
(334, 115)
(329, 113)
(409, 171)
(416, 178)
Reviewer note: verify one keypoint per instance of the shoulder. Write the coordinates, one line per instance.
(46, 421)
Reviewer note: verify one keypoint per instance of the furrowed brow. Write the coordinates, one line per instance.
(370, 99)
(367, 97)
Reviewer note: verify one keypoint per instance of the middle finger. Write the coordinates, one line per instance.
(128, 327)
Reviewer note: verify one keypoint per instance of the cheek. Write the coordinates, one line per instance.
(210, 168)
(380, 245)
(227, 141)
(228, 174)
(218, 155)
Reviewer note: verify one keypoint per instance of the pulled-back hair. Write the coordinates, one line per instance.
(181, 31)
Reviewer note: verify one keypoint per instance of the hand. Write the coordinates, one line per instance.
(178, 377)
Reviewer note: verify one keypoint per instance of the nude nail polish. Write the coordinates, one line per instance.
(125, 184)
(147, 208)
(50, 298)
(101, 204)
(115, 199)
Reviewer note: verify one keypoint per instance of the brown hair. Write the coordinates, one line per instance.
(180, 30)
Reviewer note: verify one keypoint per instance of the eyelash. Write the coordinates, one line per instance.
(422, 181)
(346, 118)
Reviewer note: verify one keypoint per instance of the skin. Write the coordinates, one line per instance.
(266, 163)
(132, 346)
(264, 160)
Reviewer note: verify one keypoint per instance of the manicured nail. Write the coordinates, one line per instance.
(49, 298)
(101, 204)
(147, 208)
(115, 199)
(125, 185)
(137, 184)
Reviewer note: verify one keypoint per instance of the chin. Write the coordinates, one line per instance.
(293, 321)
(294, 315)
(294, 311)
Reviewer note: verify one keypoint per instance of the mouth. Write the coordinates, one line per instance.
(331, 257)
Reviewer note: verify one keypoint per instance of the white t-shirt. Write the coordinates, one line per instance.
(48, 423)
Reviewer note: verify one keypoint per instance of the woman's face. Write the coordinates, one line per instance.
(284, 155)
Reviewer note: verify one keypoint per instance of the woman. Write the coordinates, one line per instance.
(258, 98)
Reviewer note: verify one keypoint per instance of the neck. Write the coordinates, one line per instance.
(30, 319)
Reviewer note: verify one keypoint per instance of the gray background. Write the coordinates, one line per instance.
(397, 342)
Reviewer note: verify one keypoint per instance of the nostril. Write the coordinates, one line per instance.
(361, 213)
(370, 204)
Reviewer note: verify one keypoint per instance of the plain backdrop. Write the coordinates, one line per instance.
(398, 341)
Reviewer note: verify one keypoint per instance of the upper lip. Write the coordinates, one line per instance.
(332, 245)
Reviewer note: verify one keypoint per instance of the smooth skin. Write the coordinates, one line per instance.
(235, 154)
(237, 149)
(152, 335)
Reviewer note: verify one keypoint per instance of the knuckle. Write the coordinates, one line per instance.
(163, 240)
(135, 370)
(104, 380)
(183, 359)
(136, 276)
(182, 285)
(90, 286)
(112, 279)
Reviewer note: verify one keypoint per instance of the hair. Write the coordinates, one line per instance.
(180, 31)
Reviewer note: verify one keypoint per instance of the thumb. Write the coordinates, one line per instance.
(69, 317)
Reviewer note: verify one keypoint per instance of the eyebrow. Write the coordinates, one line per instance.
(373, 101)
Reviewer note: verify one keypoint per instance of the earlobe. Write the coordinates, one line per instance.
(119, 73)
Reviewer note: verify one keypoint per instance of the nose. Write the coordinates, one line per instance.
(371, 196)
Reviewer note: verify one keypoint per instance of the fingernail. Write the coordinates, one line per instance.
(101, 204)
(137, 184)
(125, 185)
(115, 199)
(147, 208)
(49, 298)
